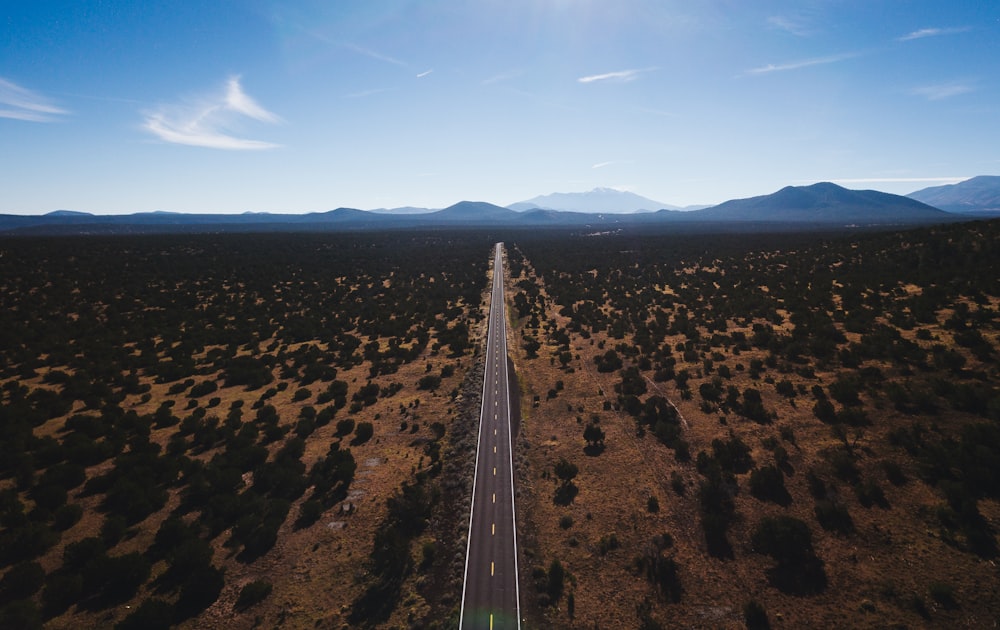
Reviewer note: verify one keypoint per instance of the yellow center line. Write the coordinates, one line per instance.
(494, 471)
(494, 497)
(491, 569)
(494, 529)
(494, 449)
(491, 621)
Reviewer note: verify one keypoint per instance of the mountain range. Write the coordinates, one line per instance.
(823, 204)
(979, 195)
(607, 200)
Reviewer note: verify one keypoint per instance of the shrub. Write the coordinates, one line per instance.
(755, 616)
(152, 614)
(789, 541)
(363, 432)
(345, 426)
(251, 594)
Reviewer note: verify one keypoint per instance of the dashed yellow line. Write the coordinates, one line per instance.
(494, 528)
(494, 497)
(491, 569)
(494, 471)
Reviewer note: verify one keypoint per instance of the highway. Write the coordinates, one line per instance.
(490, 596)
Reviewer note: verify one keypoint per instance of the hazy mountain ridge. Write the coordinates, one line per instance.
(607, 200)
(824, 202)
(821, 204)
(979, 195)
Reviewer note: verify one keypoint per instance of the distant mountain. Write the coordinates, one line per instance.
(606, 200)
(979, 195)
(405, 210)
(68, 213)
(824, 203)
(471, 212)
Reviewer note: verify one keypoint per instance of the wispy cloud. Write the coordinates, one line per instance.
(368, 52)
(603, 164)
(20, 103)
(797, 65)
(208, 122)
(621, 76)
(793, 25)
(503, 76)
(942, 91)
(424, 73)
(371, 92)
(932, 32)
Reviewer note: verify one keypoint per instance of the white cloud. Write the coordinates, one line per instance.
(424, 73)
(603, 164)
(796, 65)
(789, 24)
(932, 32)
(368, 52)
(208, 122)
(371, 92)
(621, 76)
(20, 103)
(942, 91)
(503, 76)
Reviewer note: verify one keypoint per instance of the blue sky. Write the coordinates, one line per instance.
(307, 105)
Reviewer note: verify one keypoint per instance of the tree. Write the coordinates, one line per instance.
(363, 432)
(594, 435)
(566, 471)
(789, 541)
(567, 490)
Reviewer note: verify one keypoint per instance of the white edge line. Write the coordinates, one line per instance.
(475, 473)
(510, 443)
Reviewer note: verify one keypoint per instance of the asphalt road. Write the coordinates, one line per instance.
(490, 597)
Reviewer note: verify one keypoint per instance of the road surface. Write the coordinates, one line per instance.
(490, 598)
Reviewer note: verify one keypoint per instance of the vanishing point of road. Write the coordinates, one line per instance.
(490, 598)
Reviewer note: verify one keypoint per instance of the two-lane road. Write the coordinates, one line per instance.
(490, 598)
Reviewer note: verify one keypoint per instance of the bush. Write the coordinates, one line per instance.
(203, 389)
(834, 517)
(768, 484)
(789, 541)
(345, 426)
(944, 594)
(152, 614)
(67, 516)
(251, 594)
(21, 581)
(429, 382)
(755, 616)
(363, 432)
(200, 591)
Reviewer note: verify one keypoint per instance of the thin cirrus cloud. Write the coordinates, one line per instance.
(932, 32)
(207, 123)
(797, 65)
(942, 91)
(788, 24)
(20, 103)
(621, 76)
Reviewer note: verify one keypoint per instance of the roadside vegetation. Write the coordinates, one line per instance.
(202, 430)
(811, 420)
